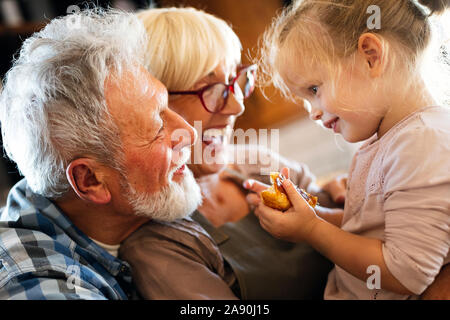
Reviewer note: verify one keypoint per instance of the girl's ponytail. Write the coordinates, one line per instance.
(436, 6)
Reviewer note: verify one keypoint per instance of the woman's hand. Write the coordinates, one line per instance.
(293, 225)
(337, 188)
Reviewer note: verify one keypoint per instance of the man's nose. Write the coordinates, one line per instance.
(315, 114)
(182, 133)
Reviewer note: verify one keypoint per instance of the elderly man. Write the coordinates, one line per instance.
(90, 130)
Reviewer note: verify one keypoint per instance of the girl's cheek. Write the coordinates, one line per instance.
(326, 104)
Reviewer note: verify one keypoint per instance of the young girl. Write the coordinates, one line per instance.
(393, 237)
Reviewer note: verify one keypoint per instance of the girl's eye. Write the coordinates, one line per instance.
(314, 90)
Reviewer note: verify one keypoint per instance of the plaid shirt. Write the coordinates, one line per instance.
(44, 256)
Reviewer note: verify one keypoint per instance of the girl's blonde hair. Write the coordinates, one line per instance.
(314, 32)
(186, 44)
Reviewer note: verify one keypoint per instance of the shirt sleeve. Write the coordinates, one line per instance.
(40, 288)
(417, 206)
(164, 270)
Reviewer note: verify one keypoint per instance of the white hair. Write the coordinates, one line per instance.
(53, 109)
(174, 201)
(186, 44)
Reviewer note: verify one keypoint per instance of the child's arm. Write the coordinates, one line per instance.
(333, 216)
(351, 252)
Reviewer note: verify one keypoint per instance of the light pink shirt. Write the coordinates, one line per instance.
(399, 192)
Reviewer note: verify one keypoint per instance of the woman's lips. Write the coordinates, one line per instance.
(215, 140)
(216, 136)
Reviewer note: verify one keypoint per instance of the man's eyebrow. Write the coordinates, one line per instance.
(159, 118)
(162, 101)
(161, 107)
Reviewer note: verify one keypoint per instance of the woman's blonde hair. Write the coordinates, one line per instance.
(314, 32)
(186, 44)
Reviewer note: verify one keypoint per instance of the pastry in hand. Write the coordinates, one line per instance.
(276, 198)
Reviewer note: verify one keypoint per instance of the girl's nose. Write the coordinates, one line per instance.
(315, 114)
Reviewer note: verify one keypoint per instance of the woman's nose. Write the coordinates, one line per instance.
(315, 114)
(234, 107)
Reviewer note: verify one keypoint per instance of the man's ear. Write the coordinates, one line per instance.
(373, 50)
(87, 180)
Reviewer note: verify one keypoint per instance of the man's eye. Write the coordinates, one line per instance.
(314, 90)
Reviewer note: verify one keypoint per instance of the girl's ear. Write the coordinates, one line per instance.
(373, 51)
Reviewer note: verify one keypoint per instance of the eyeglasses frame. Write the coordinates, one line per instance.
(229, 87)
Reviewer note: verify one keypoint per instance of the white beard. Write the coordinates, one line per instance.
(175, 201)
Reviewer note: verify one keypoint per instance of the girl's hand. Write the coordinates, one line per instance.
(292, 225)
(257, 187)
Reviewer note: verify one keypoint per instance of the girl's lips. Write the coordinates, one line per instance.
(331, 124)
(334, 125)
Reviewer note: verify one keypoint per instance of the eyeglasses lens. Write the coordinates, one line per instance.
(216, 96)
(246, 82)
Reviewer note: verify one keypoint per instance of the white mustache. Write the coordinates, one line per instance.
(180, 157)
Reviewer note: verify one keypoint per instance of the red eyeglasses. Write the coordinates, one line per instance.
(214, 96)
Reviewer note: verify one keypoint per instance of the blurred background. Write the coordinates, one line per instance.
(300, 139)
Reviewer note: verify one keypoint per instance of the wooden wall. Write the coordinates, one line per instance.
(249, 19)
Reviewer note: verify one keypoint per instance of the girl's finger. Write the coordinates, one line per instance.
(263, 225)
(296, 199)
(268, 214)
(285, 172)
(257, 212)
